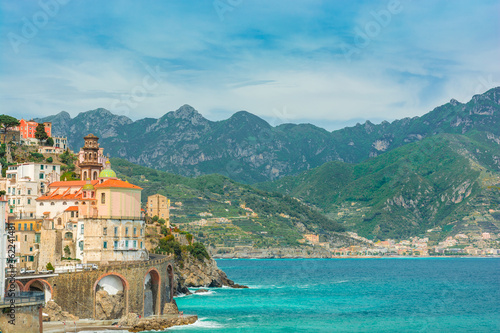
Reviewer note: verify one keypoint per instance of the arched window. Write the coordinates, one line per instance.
(95, 175)
(59, 221)
(52, 203)
(64, 203)
(84, 175)
(41, 203)
(103, 198)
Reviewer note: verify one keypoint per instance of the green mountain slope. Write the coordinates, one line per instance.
(439, 181)
(248, 149)
(278, 220)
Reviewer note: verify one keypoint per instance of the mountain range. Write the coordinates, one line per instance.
(247, 149)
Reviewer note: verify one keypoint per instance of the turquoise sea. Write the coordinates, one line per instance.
(352, 295)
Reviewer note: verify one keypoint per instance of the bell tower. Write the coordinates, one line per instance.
(90, 166)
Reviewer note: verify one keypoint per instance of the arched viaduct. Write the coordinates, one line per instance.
(112, 290)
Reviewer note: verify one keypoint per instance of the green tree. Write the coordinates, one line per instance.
(49, 159)
(49, 267)
(161, 221)
(49, 142)
(155, 218)
(67, 251)
(40, 133)
(7, 122)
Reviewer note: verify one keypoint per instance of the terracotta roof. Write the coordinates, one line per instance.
(46, 213)
(72, 209)
(71, 183)
(117, 183)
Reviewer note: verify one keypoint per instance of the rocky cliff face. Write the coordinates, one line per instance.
(191, 272)
(246, 148)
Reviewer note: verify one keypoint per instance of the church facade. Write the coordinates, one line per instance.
(96, 220)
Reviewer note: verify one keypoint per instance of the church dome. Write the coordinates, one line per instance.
(107, 173)
(88, 186)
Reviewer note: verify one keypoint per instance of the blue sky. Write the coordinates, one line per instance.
(329, 63)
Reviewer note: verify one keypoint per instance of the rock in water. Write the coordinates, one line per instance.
(200, 291)
(170, 308)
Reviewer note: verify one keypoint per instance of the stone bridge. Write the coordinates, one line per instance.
(142, 287)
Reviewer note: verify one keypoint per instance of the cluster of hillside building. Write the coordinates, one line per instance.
(25, 134)
(97, 219)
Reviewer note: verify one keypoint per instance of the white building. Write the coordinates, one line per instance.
(60, 142)
(26, 182)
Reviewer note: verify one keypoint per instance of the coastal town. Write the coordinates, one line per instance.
(68, 223)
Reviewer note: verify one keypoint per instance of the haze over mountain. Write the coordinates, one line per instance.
(247, 149)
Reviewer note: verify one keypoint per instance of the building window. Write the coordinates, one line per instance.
(103, 198)
(54, 168)
(115, 244)
(31, 249)
(41, 203)
(116, 231)
(126, 244)
(26, 227)
(19, 226)
(40, 176)
(31, 226)
(41, 167)
(105, 245)
(25, 236)
(72, 214)
(52, 203)
(29, 201)
(29, 192)
(135, 231)
(126, 231)
(141, 245)
(135, 244)
(65, 203)
(80, 245)
(81, 229)
(105, 231)
(141, 231)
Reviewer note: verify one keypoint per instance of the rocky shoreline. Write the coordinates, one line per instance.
(192, 272)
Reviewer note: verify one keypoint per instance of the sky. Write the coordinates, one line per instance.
(329, 63)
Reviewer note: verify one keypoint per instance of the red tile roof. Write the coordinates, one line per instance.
(72, 183)
(116, 183)
(72, 209)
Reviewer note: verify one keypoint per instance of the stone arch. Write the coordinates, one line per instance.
(40, 285)
(170, 284)
(152, 293)
(15, 285)
(111, 293)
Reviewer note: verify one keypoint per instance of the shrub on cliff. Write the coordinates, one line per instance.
(198, 251)
(168, 244)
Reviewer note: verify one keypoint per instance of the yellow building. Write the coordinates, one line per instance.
(27, 241)
(159, 205)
